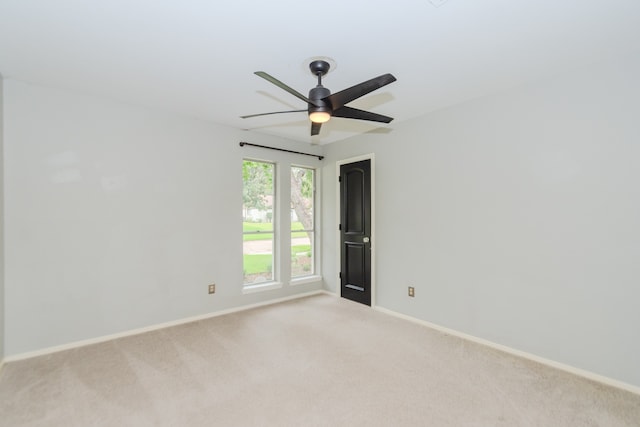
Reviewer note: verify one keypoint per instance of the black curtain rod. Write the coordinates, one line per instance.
(242, 144)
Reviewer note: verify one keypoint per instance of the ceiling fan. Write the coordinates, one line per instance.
(322, 105)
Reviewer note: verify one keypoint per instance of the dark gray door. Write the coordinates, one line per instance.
(355, 231)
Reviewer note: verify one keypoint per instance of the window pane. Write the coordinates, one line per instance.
(249, 226)
(258, 226)
(302, 254)
(302, 221)
(258, 258)
(295, 224)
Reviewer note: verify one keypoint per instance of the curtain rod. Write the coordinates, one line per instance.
(242, 144)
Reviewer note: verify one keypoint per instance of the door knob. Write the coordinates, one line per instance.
(365, 240)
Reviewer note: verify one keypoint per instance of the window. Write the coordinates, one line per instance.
(302, 221)
(279, 233)
(258, 221)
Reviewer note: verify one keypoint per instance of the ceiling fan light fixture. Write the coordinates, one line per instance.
(319, 116)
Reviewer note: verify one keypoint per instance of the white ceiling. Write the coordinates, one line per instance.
(197, 57)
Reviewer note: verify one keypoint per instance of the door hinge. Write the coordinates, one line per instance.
(340, 227)
(340, 275)
(339, 179)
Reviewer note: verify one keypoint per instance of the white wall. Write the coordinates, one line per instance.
(118, 217)
(2, 309)
(516, 217)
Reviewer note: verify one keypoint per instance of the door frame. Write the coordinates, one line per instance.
(371, 157)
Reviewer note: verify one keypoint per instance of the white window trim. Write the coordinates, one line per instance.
(260, 287)
(274, 282)
(315, 276)
(303, 280)
(279, 234)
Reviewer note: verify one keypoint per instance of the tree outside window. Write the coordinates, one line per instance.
(302, 221)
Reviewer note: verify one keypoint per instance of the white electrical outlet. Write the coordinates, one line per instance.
(212, 288)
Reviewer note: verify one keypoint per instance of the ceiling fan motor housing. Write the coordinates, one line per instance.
(318, 95)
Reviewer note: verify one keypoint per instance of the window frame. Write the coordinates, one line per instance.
(273, 282)
(281, 272)
(313, 230)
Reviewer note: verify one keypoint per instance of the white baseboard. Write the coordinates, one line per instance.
(137, 331)
(552, 363)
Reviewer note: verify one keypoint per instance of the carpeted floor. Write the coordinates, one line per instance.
(317, 361)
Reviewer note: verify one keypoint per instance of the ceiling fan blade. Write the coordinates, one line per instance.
(343, 97)
(275, 112)
(354, 113)
(315, 128)
(281, 85)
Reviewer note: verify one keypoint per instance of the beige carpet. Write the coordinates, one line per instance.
(318, 361)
